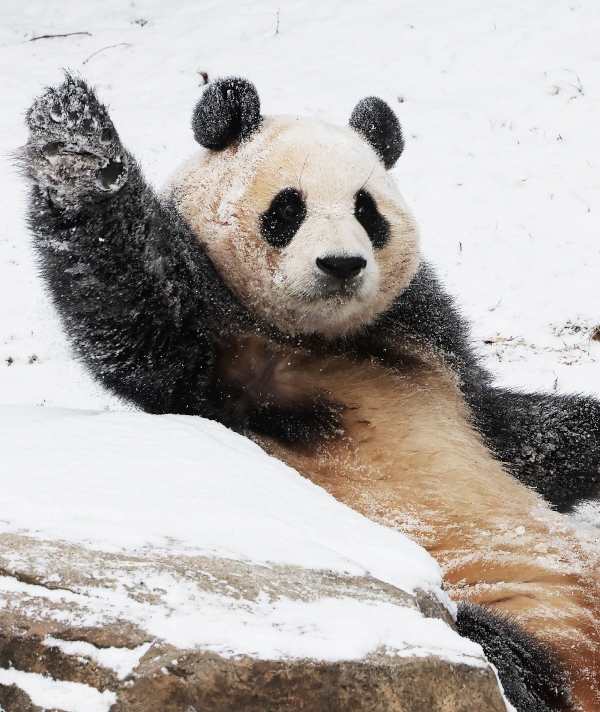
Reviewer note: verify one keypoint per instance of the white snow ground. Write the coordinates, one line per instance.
(499, 102)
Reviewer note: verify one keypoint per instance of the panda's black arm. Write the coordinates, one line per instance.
(427, 312)
(549, 442)
(143, 319)
(138, 297)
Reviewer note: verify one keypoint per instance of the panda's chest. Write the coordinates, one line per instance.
(410, 460)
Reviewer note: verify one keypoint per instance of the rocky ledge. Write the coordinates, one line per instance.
(161, 564)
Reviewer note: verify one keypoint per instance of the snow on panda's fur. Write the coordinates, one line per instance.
(323, 335)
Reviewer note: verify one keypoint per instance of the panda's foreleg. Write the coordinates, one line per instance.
(426, 312)
(139, 299)
(549, 442)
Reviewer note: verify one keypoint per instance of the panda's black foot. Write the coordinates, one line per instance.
(73, 150)
(532, 678)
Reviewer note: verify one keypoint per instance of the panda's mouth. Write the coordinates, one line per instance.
(340, 276)
(334, 289)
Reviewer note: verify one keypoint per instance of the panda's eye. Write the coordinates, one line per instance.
(373, 222)
(281, 221)
(362, 212)
(289, 211)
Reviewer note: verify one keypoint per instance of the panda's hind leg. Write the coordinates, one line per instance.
(532, 679)
(73, 149)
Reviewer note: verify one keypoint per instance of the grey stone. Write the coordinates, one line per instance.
(169, 679)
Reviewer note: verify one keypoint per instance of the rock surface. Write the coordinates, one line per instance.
(165, 564)
(46, 627)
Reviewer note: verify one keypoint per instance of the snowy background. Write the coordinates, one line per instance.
(499, 102)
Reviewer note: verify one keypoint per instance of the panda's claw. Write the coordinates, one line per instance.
(73, 149)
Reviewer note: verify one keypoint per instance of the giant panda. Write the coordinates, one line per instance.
(276, 285)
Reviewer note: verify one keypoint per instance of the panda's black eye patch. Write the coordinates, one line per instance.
(373, 222)
(281, 221)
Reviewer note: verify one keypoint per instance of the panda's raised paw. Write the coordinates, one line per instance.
(73, 149)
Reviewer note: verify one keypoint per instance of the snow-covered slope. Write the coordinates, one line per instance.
(168, 486)
(172, 537)
(124, 481)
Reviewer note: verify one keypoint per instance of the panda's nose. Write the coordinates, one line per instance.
(341, 267)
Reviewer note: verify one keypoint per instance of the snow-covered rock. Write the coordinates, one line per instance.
(170, 563)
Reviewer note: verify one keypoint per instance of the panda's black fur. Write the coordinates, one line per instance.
(229, 111)
(373, 119)
(150, 317)
(531, 679)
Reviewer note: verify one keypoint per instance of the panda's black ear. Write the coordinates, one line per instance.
(229, 110)
(373, 119)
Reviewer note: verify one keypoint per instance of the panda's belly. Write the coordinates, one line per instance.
(411, 460)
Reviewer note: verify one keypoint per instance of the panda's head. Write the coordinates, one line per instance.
(300, 217)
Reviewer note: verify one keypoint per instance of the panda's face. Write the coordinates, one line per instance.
(303, 223)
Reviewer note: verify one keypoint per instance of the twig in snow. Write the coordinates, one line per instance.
(579, 85)
(68, 34)
(120, 44)
(277, 28)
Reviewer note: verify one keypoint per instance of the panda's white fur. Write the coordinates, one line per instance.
(221, 194)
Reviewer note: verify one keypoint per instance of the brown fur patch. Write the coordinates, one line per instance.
(254, 369)
(410, 459)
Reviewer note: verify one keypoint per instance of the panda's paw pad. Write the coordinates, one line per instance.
(73, 148)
